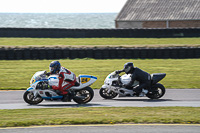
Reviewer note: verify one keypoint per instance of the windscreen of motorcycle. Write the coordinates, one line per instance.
(38, 76)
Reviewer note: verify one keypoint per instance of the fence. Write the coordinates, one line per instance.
(98, 33)
(99, 53)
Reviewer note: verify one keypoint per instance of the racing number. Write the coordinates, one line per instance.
(84, 80)
(33, 81)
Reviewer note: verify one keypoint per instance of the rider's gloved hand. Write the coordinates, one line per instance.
(48, 74)
(117, 72)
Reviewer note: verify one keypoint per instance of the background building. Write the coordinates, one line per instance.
(159, 14)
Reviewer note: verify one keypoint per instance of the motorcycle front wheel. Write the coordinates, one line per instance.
(29, 98)
(84, 95)
(107, 95)
(158, 91)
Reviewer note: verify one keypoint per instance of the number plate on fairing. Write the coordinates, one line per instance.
(85, 80)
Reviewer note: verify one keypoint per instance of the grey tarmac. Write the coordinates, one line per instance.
(126, 128)
(173, 97)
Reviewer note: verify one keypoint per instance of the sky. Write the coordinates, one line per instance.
(61, 6)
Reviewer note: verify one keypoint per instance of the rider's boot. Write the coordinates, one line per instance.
(141, 94)
(67, 96)
(137, 91)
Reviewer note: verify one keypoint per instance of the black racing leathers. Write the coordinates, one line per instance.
(143, 77)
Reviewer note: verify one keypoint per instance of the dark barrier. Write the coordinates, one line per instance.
(98, 33)
(99, 53)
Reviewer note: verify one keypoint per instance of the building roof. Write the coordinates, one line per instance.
(154, 10)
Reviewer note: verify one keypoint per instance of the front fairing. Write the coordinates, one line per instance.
(110, 78)
(125, 79)
(112, 75)
(38, 76)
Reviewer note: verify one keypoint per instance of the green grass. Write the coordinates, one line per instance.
(99, 115)
(181, 73)
(96, 42)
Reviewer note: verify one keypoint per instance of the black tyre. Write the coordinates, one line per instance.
(158, 91)
(107, 95)
(84, 95)
(29, 98)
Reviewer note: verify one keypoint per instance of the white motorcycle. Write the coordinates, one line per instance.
(112, 87)
(40, 89)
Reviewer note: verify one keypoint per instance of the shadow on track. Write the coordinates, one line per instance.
(144, 100)
(67, 105)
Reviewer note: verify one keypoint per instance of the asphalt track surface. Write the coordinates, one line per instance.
(126, 128)
(173, 97)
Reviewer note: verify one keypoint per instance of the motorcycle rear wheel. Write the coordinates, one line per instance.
(158, 91)
(84, 95)
(107, 95)
(29, 98)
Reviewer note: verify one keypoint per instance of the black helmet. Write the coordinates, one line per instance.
(54, 67)
(128, 67)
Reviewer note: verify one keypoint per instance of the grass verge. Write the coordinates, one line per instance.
(99, 115)
(99, 42)
(181, 73)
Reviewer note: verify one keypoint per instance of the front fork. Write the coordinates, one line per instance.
(108, 90)
(35, 92)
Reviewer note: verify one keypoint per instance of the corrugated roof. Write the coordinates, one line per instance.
(147, 10)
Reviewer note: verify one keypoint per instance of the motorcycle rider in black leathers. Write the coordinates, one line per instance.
(143, 77)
